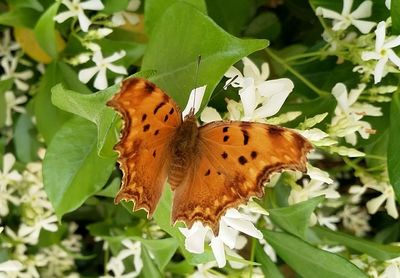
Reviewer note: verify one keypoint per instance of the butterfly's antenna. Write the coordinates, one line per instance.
(195, 83)
(224, 88)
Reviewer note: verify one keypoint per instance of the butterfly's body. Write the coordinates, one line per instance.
(184, 150)
(210, 168)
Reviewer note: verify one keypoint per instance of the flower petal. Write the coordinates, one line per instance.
(86, 74)
(94, 5)
(84, 21)
(250, 69)
(195, 99)
(100, 82)
(393, 57)
(61, 17)
(347, 4)
(370, 55)
(117, 69)
(379, 71)
(392, 43)
(363, 11)
(217, 247)
(380, 34)
(364, 26)
(374, 204)
(328, 13)
(210, 114)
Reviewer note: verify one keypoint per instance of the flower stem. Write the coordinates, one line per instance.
(295, 73)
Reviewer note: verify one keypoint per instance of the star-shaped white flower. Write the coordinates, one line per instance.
(7, 46)
(120, 18)
(383, 52)
(347, 18)
(12, 104)
(102, 64)
(10, 67)
(230, 225)
(76, 9)
(261, 98)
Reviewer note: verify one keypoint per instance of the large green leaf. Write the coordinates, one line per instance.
(154, 10)
(93, 108)
(295, 219)
(25, 139)
(161, 249)
(72, 170)
(180, 36)
(379, 251)
(49, 118)
(45, 31)
(309, 261)
(393, 154)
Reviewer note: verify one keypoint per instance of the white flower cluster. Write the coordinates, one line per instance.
(23, 192)
(76, 9)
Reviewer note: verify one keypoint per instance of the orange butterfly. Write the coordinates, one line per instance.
(210, 168)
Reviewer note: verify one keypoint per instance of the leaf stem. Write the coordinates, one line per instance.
(295, 73)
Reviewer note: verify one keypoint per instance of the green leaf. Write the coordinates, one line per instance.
(93, 108)
(395, 15)
(72, 170)
(161, 249)
(393, 152)
(232, 17)
(154, 10)
(267, 266)
(25, 139)
(5, 85)
(180, 32)
(379, 251)
(295, 219)
(33, 4)
(265, 25)
(21, 17)
(309, 261)
(49, 118)
(45, 31)
(149, 269)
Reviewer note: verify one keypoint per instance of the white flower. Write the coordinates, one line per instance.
(346, 18)
(116, 264)
(102, 64)
(194, 101)
(230, 225)
(120, 18)
(328, 221)
(383, 52)
(7, 46)
(210, 114)
(388, 196)
(10, 266)
(10, 67)
(392, 271)
(349, 112)
(8, 177)
(260, 98)
(12, 104)
(206, 271)
(76, 9)
(355, 219)
(388, 3)
(317, 174)
(46, 221)
(311, 189)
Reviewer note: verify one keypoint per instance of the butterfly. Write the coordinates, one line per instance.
(210, 168)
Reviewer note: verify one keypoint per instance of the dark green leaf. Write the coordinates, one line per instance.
(232, 17)
(154, 10)
(45, 32)
(22, 17)
(295, 219)
(268, 267)
(393, 154)
(72, 170)
(149, 269)
(379, 251)
(395, 15)
(265, 25)
(309, 261)
(176, 61)
(33, 4)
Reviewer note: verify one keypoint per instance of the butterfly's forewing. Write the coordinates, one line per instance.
(235, 159)
(150, 121)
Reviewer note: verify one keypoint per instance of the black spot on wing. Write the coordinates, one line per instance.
(225, 129)
(226, 138)
(171, 111)
(156, 132)
(166, 118)
(253, 154)
(242, 160)
(224, 155)
(149, 87)
(207, 173)
(274, 130)
(161, 104)
(146, 127)
(154, 154)
(144, 117)
(245, 136)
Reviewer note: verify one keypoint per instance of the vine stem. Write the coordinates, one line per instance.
(295, 73)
